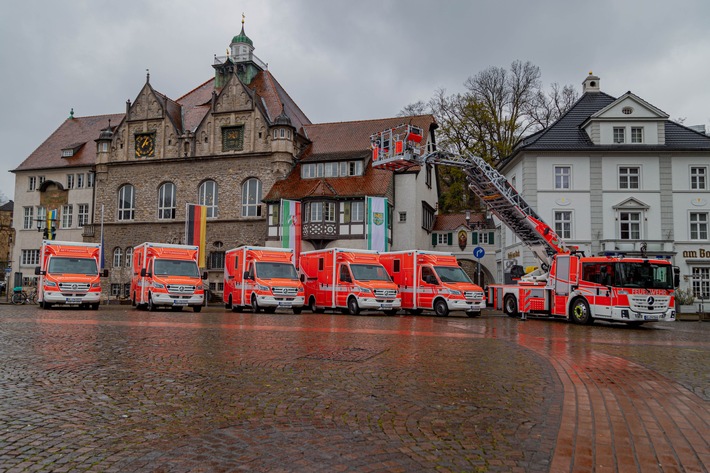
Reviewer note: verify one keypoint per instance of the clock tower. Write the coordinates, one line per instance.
(240, 59)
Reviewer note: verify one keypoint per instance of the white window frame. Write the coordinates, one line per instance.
(636, 134)
(29, 257)
(357, 211)
(442, 239)
(701, 281)
(618, 135)
(308, 171)
(126, 202)
(42, 217)
(67, 215)
(629, 225)
(698, 223)
(208, 197)
(82, 215)
(626, 175)
(167, 196)
(28, 218)
(315, 212)
(562, 220)
(129, 257)
(699, 178)
(563, 177)
(117, 257)
(31, 183)
(402, 217)
(329, 212)
(90, 180)
(251, 198)
(70, 181)
(330, 170)
(80, 181)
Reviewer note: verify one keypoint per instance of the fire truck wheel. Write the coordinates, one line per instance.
(580, 313)
(197, 308)
(353, 308)
(297, 310)
(254, 305)
(151, 307)
(440, 308)
(510, 306)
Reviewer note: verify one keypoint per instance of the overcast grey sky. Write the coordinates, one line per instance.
(339, 60)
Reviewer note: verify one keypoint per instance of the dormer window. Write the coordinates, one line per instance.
(67, 153)
(619, 134)
(71, 150)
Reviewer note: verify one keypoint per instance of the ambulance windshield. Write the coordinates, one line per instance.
(452, 274)
(275, 270)
(169, 267)
(369, 272)
(59, 265)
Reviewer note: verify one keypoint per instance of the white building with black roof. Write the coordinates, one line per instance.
(614, 175)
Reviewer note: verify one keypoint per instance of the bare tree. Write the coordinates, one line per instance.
(416, 108)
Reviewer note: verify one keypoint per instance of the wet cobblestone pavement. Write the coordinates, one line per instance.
(129, 391)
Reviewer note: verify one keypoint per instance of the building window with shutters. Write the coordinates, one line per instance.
(438, 239)
(483, 238)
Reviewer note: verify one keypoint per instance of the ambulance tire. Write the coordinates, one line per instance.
(228, 305)
(254, 304)
(441, 309)
(391, 312)
(46, 305)
(133, 301)
(415, 311)
(473, 313)
(151, 307)
(313, 307)
(510, 306)
(580, 313)
(197, 309)
(236, 308)
(270, 310)
(353, 308)
(297, 310)
(95, 306)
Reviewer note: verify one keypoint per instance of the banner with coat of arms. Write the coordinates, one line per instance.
(377, 224)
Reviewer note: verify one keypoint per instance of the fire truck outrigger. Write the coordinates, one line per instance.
(568, 284)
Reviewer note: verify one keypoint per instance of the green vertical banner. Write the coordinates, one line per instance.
(377, 224)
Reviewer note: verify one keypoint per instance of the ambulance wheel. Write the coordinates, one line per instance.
(133, 301)
(176, 308)
(228, 305)
(270, 310)
(95, 306)
(46, 305)
(151, 307)
(510, 306)
(415, 311)
(353, 308)
(297, 310)
(313, 307)
(579, 312)
(473, 313)
(197, 308)
(236, 308)
(391, 312)
(440, 308)
(254, 305)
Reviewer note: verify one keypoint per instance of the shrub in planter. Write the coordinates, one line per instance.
(683, 297)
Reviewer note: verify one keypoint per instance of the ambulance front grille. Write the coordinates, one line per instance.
(475, 295)
(285, 291)
(385, 293)
(73, 287)
(180, 289)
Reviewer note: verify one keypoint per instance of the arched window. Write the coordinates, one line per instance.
(166, 201)
(251, 198)
(117, 256)
(207, 195)
(129, 257)
(126, 202)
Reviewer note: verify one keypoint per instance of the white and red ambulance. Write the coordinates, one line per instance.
(433, 280)
(348, 280)
(263, 278)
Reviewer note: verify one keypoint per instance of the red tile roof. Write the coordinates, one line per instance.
(453, 221)
(72, 131)
(338, 141)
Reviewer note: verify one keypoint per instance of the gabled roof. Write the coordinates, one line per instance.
(629, 95)
(342, 141)
(454, 221)
(72, 131)
(566, 134)
(7, 206)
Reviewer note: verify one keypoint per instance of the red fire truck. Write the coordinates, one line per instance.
(347, 280)
(263, 278)
(69, 274)
(433, 280)
(568, 284)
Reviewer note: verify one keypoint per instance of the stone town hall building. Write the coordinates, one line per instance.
(225, 144)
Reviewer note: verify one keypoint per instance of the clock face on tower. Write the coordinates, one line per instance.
(145, 145)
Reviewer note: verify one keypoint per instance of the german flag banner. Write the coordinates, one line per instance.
(196, 229)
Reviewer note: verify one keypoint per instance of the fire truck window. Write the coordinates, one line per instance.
(428, 275)
(345, 274)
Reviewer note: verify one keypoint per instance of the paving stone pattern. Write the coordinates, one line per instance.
(121, 390)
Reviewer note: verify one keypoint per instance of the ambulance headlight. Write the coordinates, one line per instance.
(50, 284)
(157, 285)
(363, 289)
(263, 288)
(95, 285)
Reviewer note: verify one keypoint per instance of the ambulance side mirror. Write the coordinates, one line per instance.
(302, 278)
(204, 275)
(676, 276)
(105, 273)
(144, 273)
(38, 271)
(246, 275)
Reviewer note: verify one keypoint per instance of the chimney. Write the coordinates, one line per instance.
(590, 84)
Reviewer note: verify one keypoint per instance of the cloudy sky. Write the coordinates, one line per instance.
(339, 60)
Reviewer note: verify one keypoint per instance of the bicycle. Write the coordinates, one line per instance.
(19, 296)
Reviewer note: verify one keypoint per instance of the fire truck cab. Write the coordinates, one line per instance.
(263, 278)
(69, 274)
(431, 280)
(166, 275)
(348, 280)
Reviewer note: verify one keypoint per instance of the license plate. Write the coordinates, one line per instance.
(179, 302)
(385, 306)
(73, 299)
(284, 304)
(650, 317)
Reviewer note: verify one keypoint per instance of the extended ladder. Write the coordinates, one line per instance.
(393, 150)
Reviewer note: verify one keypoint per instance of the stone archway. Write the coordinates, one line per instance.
(471, 268)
